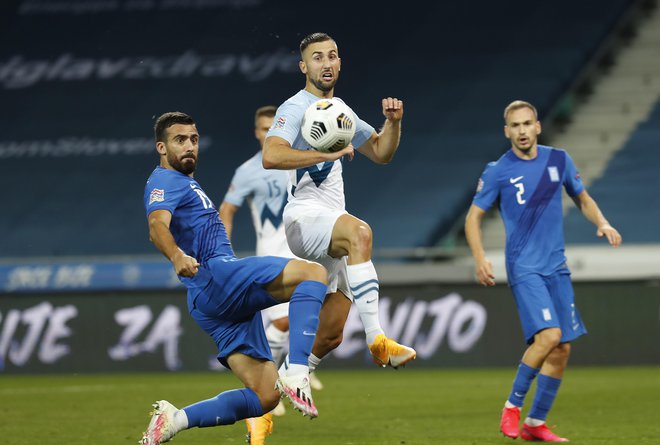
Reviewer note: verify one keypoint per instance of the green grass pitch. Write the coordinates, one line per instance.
(596, 406)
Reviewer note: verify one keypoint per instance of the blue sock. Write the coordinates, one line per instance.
(546, 391)
(304, 308)
(224, 409)
(521, 384)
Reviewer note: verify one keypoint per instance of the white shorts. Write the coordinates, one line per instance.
(309, 232)
(276, 312)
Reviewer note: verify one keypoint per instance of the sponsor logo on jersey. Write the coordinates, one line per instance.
(156, 195)
(280, 122)
(514, 180)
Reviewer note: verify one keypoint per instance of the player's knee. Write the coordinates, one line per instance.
(282, 324)
(316, 272)
(549, 338)
(362, 238)
(269, 400)
(563, 350)
(330, 340)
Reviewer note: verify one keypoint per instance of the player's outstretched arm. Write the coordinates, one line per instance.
(160, 235)
(381, 147)
(278, 154)
(591, 211)
(483, 267)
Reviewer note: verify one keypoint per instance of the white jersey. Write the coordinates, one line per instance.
(265, 191)
(320, 184)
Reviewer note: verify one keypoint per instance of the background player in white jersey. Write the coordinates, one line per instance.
(317, 224)
(526, 183)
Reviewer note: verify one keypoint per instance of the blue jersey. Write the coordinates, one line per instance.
(322, 183)
(196, 225)
(529, 196)
(266, 192)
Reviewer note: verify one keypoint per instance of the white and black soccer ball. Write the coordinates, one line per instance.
(328, 125)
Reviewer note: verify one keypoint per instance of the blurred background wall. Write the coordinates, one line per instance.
(82, 81)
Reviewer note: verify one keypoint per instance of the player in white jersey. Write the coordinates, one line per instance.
(266, 193)
(317, 225)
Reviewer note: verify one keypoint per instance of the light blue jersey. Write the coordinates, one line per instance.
(266, 193)
(529, 196)
(322, 183)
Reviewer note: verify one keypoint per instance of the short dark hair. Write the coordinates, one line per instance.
(266, 110)
(166, 120)
(314, 38)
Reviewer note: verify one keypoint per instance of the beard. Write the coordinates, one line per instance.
(325, 87)
(185, 165)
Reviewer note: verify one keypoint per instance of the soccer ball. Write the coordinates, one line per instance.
(328, 125)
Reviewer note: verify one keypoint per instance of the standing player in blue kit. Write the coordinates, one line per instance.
(527, 182)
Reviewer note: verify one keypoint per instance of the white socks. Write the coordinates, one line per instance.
(363, 281)
(180, 420)
(277, 340)
(283, 370)
(314, 362)
(534, 422)
(289, 369)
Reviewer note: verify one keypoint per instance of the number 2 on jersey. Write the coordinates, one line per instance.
(519, 193)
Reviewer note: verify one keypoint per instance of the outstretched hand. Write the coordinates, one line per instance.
(612, 235)
(393, 109)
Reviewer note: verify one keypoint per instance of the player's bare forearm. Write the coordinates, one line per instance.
(388, 140)
(162, 238)
(592, 213)
(483, 267)
(280, 156)
(160, 235)
(227, 212)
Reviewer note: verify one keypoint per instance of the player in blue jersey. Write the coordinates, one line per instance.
(527, 182)
(226, 294)
(266, 193)
(318, 227)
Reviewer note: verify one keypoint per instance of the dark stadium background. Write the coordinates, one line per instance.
(80, 85)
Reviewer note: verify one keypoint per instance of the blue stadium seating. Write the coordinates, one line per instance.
(628, 192)
(456, 65)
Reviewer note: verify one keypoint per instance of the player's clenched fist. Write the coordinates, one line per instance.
(393, 108)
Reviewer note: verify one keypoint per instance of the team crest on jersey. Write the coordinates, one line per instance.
(480, 185)
(279, 123)
(554, 174)
(156, 195)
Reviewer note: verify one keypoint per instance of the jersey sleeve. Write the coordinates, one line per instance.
(287, 122)
(363, 132)
(572, 181)
(487, 188)
(240, 187)
(161, 193)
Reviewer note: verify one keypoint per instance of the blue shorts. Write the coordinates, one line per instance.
(228, 307)
(548, 302)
